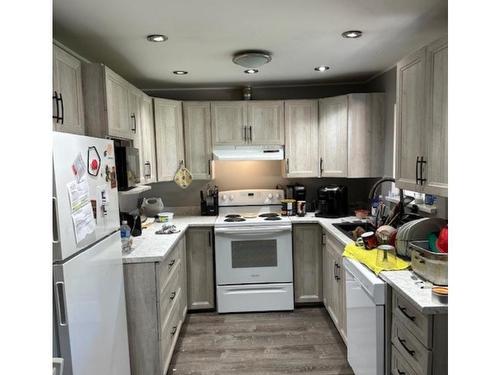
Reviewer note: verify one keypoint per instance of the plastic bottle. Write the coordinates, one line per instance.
(125, 236)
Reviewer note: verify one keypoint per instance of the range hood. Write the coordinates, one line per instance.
(253, 152)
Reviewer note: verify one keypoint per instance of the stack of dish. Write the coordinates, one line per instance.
(416, 230)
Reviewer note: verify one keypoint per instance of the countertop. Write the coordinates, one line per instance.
(151, 247)
(415, 290)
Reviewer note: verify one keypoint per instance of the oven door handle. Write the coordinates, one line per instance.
(253, 231)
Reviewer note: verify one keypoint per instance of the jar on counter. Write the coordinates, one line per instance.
(288, 207)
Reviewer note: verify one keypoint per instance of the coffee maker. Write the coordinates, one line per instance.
(297, 192)
(209, 204)
(332, 201)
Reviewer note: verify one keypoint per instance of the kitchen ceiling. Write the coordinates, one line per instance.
(203, 36)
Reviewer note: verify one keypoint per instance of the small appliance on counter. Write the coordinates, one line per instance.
(152, 206)
(133, 219)
(127, 167)
(209, 202)
(299, 192)
(332, 201)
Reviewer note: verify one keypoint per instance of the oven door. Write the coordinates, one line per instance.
(250, 255)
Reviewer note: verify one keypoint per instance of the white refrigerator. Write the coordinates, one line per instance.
(90, 325)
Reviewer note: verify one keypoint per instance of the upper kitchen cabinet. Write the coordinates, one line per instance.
(266, 122)
(301, 138)
(229, 122)
(410, 119)
(169, 137)
(198, 139)
(259, 122)
(333, 136)
(422, 120)
(111, 103)
(365, 124)
(147, 144)
(67, 96)
(437, 119)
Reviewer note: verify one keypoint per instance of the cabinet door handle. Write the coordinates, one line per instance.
(320, 166)
(403, 343)
(210, 239)
(210, 167)
(147, 169)
(172, 295)
(56, 99)
(403, 310)
(416, 170)
(245, 133)
(61, 304)
(134, 123)
(422, 162)
(172, 262)
(251, 136)
(287, 166)
(400, 372)
(174, 329)
(62, 108)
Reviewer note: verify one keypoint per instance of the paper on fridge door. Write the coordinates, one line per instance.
(81, 209)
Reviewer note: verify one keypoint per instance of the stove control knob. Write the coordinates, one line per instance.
(231, 197)
(224, 197)
(270, 196)
(277, 196)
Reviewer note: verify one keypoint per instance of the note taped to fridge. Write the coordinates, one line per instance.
(81, 209)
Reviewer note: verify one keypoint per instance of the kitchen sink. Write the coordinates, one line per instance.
(347, 228)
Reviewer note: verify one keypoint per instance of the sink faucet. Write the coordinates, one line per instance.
(396, 214)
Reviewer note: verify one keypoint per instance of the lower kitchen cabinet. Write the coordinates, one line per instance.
(200, 268)
(307, 263)
(156, 301)
(419, 341)
(334, 283)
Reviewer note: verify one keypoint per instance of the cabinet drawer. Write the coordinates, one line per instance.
(171, 293)
(417, 323)
(168, 334)
(412, 350)
(399, 366)
(166, 267)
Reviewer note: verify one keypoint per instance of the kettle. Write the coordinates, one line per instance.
(152, 206)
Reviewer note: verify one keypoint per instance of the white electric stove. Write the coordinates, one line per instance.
(253, 252)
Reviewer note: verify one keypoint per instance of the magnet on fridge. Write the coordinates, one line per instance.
(93, 161)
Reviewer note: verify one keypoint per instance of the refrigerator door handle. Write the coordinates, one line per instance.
(55, 223)
(61, 304)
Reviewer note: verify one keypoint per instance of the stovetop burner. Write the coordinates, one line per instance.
(234, 219)
(269, 214)
(232, 216)
(272, 218)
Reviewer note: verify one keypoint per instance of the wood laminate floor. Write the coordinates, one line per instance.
(304, 341)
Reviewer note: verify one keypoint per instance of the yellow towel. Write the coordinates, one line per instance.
(369, 258)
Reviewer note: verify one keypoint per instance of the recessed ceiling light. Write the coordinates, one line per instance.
(251, 71)
(352, 34)
(156, 38)
(322, 68)
(180, 72)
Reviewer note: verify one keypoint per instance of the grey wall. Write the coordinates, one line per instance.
(261, 93)
(232, 175)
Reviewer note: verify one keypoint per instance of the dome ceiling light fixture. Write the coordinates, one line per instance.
(251, 71)
(322, 68)
(352, 34)
(156, 38)
(252, 59)
(180, 72)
